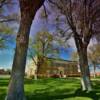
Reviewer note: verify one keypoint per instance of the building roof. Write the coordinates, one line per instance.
(62, 60)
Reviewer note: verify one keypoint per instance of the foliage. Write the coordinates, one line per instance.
(7, 18)
(74, 56)
(2, 43)
(43, 45)
(81, 16)
(94, 54)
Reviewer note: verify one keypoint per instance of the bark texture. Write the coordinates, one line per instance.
(85, 73)
(28, 10)
(83, 62)
(94, 69)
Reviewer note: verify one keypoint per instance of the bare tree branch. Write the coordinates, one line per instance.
(7, 20)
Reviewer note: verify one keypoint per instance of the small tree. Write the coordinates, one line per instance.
(6, 28)
(42, 47)
(74, 56)
(94, 56)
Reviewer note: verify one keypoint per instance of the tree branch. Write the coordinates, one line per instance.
(7, 20)
(32, 57)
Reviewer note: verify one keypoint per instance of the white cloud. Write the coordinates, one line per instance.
(71, 42)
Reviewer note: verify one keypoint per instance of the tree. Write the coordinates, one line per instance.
(94, 56)
(42, 47)
(6, 5)
(74, 56)
(83, 18)
(5, 19)
(28, 9)
(7, 15)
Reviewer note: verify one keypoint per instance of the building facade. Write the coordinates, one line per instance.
(55, 68)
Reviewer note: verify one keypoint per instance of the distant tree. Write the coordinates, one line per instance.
(6, 20)
(7, 5)
(83, 19)
(94, 56)
(28, 9)
(2, 43)
(43, 47)
(74, 56)
(8, 71)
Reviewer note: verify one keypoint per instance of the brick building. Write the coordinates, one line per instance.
(56, 68)
(61, 68)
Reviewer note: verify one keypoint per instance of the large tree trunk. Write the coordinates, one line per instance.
(85, 73)
(40, 65)
(16, 86)
(83, 62)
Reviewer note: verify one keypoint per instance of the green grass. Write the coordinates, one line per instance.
(54, 89)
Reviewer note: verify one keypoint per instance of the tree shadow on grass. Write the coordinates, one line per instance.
(52, 93)
(2, 94)
(60, 94)
(3, 87)
(4, 82)
(43, 94)
(93, 94)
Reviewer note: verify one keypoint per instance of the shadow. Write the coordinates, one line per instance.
(53, 95)
(93, 94)
(53, 92)
(2, 93)
(53, 89)
(60, 94)
(4, 82)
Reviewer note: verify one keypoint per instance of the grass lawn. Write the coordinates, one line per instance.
(54, 89)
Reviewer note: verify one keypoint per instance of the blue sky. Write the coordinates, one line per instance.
(6, 56)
